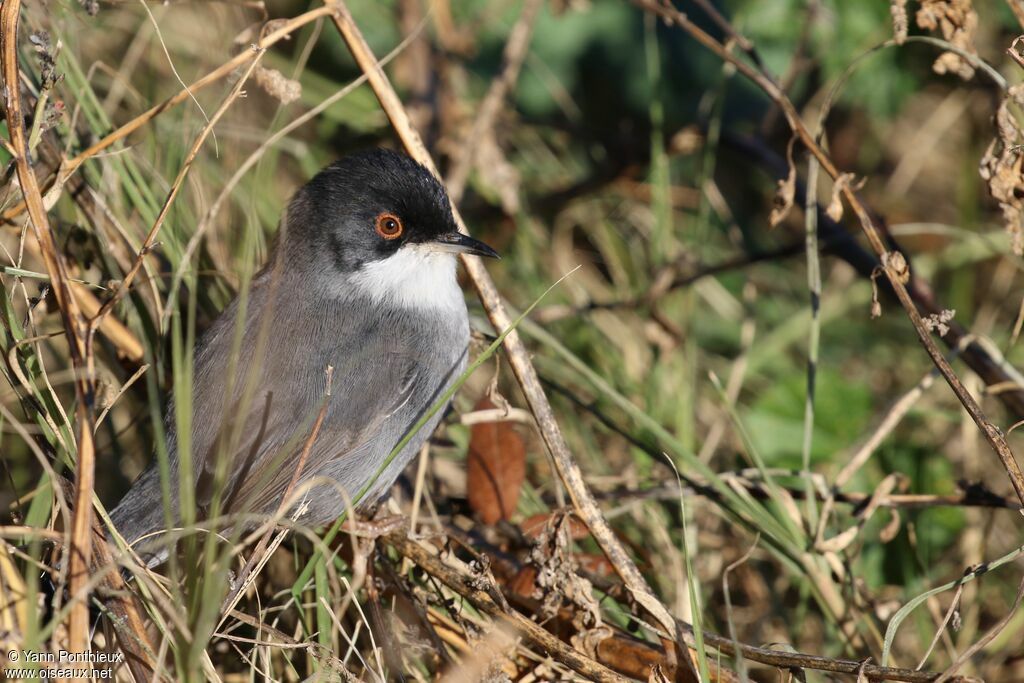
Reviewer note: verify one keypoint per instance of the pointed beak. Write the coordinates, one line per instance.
(457, 243)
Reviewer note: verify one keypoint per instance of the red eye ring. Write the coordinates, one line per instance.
(388, 225)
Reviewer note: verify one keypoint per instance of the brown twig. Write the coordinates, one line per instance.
(741, 40)
(531, 632)
(80, 540)
(127, 621)
(519, 357)
(896, 276)
(1014, 51)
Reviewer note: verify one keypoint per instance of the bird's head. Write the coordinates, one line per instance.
(379, 224)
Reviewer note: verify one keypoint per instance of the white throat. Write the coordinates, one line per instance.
(415, 277)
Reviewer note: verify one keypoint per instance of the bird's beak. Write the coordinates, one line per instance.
(457, 243)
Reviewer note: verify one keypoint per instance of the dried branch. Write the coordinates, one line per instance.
(124, 610)
(468, 587)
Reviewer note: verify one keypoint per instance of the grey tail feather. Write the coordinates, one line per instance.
(141, 513)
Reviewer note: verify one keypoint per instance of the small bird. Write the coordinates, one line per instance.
(363, 281)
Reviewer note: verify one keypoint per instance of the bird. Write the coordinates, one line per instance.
(362, 281)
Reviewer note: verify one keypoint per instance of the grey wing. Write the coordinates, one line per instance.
(246, 438)
(368, 404)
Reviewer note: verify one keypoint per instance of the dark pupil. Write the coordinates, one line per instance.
(390, 225)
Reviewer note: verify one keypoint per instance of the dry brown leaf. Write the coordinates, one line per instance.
(958, 23)
(782, 203)
(784, 195)
(939, 322)
(788, 504)
(835, 207)
(525, 582)
(898, 9)
(275, 84)
(595, 563)
(835, 564)
(658, 675)
(876, 305)
(839, 542)
(495, 468)
(557, 579)
(897, 264)
(534, 525)
(892, 527)
(1001, 167)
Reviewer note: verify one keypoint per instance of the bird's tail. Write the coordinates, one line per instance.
(140, 518)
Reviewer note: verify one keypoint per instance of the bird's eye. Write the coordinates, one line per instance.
(389, 226)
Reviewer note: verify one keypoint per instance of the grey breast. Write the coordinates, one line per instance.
(256, 397)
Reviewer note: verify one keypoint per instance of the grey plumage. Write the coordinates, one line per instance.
(389, 318)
